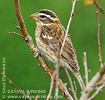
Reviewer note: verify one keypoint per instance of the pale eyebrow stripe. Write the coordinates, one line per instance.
(54, 19)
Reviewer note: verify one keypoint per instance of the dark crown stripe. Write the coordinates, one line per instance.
(48, 12)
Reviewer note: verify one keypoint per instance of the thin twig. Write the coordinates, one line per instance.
(75, 87)
(99, 7)
(92, 83)
(57, 72)
(14, 86)
(57, 77)
(99, 89)
(71, 84)
(98, 36)
(37, 97)
(85, 66)
(16, 34)
(67, 30)
(51, 86)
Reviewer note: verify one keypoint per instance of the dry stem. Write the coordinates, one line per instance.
(16, 34)
(51, 86)
(56, 78)
(71, 84)
(67, 30)
(37, 97)
(85, 66)
(20, 19)
(98, 36)
(75, 87)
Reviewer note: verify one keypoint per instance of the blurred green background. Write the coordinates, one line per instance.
(23, 69)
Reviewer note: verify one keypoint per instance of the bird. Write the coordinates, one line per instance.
(49, 35)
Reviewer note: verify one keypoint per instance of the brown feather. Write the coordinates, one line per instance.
(68, 53)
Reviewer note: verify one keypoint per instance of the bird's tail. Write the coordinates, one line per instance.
(79, 78)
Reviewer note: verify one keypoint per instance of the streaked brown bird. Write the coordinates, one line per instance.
(49, 36)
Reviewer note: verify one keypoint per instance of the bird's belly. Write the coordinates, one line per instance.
(46, 51)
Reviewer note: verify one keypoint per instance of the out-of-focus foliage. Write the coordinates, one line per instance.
(88, 2)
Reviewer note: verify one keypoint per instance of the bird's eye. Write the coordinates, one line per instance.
(42, 16)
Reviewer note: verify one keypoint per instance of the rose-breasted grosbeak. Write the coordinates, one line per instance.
(49, 36)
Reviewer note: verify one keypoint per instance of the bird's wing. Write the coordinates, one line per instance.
(69, 54)
(55, 43)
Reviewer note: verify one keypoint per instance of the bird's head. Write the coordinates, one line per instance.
(45, 17)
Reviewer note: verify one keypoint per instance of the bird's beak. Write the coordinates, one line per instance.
(34, 16)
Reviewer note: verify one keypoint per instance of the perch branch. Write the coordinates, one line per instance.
(35, 51)
(27, 37)
(85, 66)
(71, 15)
(14, 86)
(92, 83)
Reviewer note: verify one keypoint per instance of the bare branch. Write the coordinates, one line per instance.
(98, 36)
(75, 87)
(16, 34)
(56, 78)
(64, 90)
(37, 97)
(27, 37)
(51, 86)
(98, 7)
(14, 86)
(20, 19)
(92, 83)
(97, 91)
(71, 84)
(71, 15)
(85, 66)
